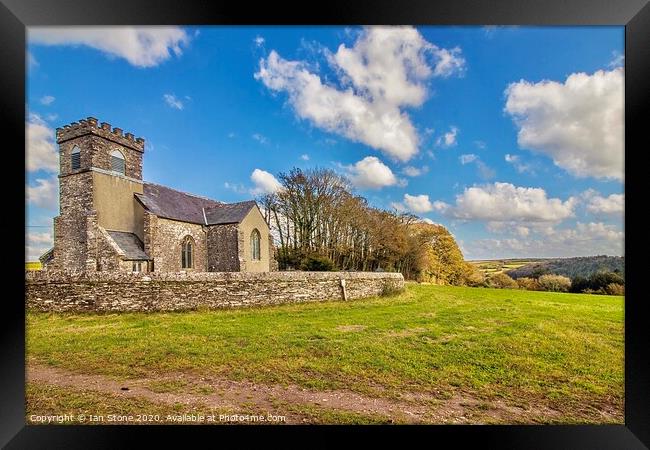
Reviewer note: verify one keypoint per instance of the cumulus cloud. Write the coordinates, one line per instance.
(612, 204)
(44, 193)
(47, 100)
(518, 164)
(37, 243)
(173, 102)
(585, 239)
(412, 171)
(466, 159)
(259, 41)
(578, 123)
(371, 173)
(41, 151)
(385, 70)
(449, 138)
(304, 157)
(484, 171)
(140, 46)
(504, 202)
(419, 204)
(264, 182)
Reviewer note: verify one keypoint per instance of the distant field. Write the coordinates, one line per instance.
(33, 265)
(501, 265)
(433, 354)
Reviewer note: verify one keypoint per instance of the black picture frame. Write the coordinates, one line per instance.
(16, 15)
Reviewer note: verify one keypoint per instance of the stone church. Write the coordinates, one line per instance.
(111, 220)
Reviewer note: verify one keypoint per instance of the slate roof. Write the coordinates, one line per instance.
(229, 213)
(172, 204)
(130, 244)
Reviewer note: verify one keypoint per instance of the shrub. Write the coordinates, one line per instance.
(554, 283)
(615, 289)
(475, 279)
(530, 284)
(317, 263)
(501, 281)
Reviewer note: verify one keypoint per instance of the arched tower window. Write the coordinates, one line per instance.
(75, 158)
(187, 253)
(117, 162)
(255, 245)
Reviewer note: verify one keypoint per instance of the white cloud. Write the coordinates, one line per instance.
(44, 194)
(41, 151)
(466, 159)
(259, 41)
(451, 62)
(618, 59)
(613, 204)
(173, 102)
(516, 162)
(140, 46)
(265, 182)
(585, 239)
(449, 138)
(260, 138)
(371, 173)
(503, 202)
(480, 145)
(235, 187)
(47, 100)
(578, 123)
(417, 203)
(484, 171)
(385, 70)
(412, 171)
(37, 243)
(304, 157)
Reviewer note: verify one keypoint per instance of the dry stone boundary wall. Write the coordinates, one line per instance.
(114, 292)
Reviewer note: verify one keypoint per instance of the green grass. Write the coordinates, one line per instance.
(525, 348)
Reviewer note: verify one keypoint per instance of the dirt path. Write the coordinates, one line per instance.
(246, 397)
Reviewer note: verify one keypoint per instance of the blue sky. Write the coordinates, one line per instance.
(512, 137)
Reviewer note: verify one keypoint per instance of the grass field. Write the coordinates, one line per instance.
(432, 354)
(492, 266)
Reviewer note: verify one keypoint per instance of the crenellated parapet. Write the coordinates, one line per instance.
(90, 125)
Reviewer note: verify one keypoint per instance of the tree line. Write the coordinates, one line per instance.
(320, 224)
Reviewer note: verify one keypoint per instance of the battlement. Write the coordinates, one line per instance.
(90, 125)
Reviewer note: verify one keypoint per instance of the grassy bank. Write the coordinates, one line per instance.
(534, 350)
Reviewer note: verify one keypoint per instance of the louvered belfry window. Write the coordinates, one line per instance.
(117, 162)
(75, 158)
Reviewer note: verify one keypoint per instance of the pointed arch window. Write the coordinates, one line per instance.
(187, 253)
(75, 158)
(255, 245)
(117, 162)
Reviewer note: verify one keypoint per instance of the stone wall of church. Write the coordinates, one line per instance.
(165, 240)
(116, 291)
(222, 244)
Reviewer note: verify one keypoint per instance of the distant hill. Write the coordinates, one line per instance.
(571, 267)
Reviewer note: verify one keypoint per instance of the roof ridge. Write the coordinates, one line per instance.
(186, 193)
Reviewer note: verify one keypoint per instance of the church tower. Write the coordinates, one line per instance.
(100, 170)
